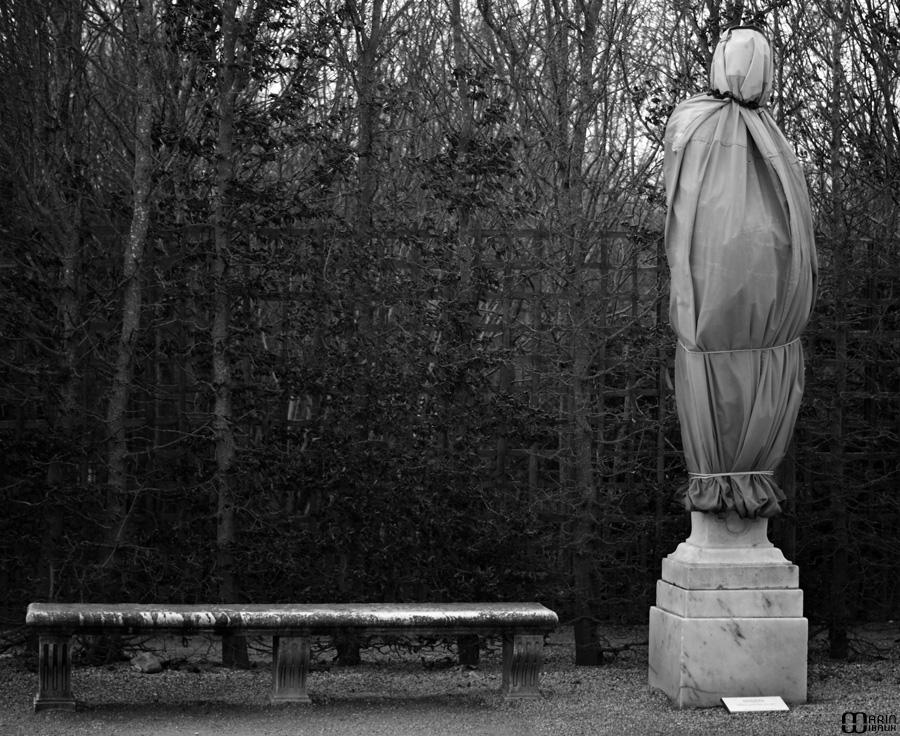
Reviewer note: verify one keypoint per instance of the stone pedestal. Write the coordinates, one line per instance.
(728, 619)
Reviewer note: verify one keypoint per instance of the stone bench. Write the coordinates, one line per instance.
(522, 627)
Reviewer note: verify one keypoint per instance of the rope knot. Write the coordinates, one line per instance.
(749, 104)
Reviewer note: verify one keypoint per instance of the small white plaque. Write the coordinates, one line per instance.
(761, 702)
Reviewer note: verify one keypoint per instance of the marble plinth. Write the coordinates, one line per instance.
(759, 603)
(698, 661)
(728, 619)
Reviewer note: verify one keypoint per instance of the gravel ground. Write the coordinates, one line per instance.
(401, 693)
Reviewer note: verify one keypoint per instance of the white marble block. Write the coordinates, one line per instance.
(698, 661)
(728, 619)
(719, 603)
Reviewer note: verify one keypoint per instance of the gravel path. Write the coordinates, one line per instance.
(398, 695)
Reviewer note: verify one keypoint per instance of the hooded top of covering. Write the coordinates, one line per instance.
(742, 66)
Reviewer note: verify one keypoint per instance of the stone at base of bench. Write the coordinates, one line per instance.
(522, 657)
(290, 667)
(54, 675)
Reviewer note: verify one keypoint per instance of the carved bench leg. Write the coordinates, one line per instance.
(54, 675)
(290, 665)
(522, 655)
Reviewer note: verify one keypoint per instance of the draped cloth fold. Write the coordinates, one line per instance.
(741, 252)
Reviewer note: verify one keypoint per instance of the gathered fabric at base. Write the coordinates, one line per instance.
(737, 412)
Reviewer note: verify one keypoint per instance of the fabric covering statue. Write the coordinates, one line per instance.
(740, 247)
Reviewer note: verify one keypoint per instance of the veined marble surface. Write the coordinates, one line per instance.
(698, 661)
(758, 603)
(729, 617)
(720, 575)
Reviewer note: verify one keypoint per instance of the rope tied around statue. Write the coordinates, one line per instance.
(749, 104)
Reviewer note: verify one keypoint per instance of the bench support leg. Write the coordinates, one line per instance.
(522, 655)
(467, 646)
(234, 652)
(54, 675)
(289, 669)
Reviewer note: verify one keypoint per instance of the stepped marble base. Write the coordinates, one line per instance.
(728, 619)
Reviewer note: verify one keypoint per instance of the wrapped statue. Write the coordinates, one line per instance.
(740, 247)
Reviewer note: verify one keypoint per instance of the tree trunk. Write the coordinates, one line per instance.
(234, 649)
(368, 49)
(117, 457)
(466, 123)
(839, 618)
(60, 472)
(571, 140)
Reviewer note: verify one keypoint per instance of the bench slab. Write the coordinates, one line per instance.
(309, 619)
(522, 627)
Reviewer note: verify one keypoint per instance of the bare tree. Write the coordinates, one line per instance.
(139, 24)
